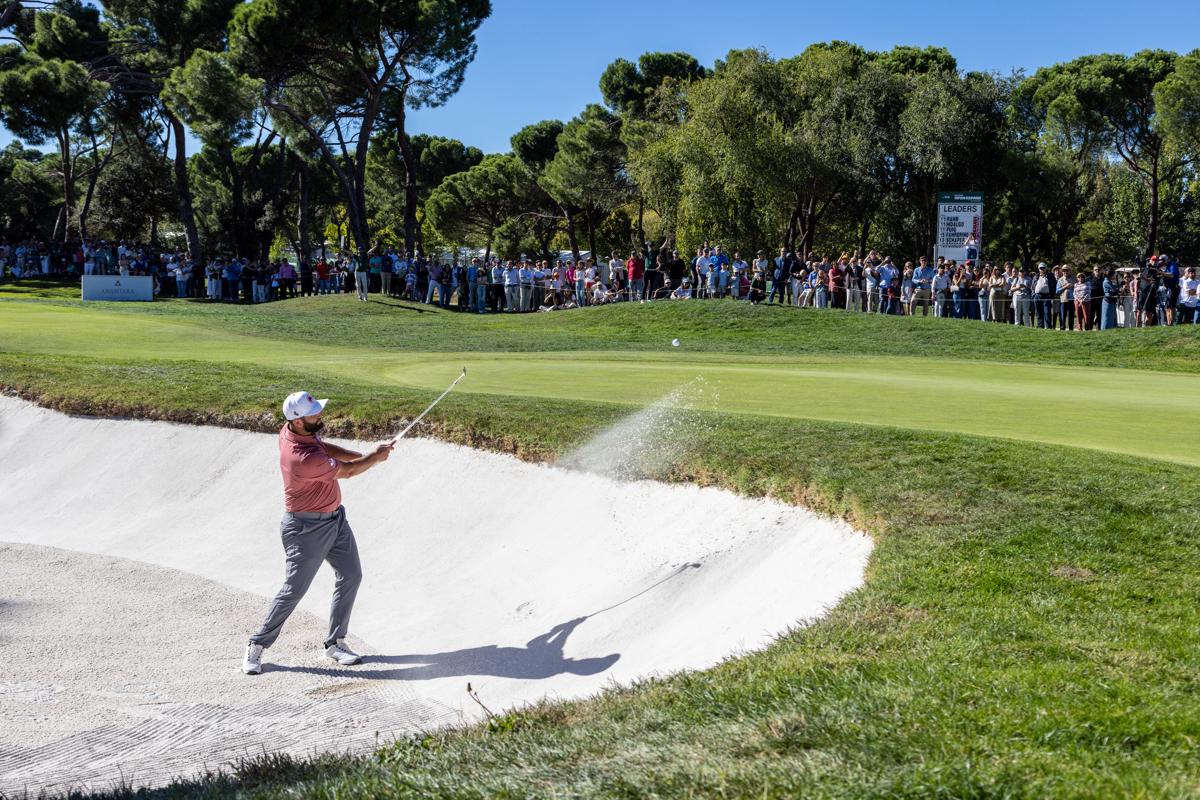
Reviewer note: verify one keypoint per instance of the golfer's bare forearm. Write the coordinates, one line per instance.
(348, 469)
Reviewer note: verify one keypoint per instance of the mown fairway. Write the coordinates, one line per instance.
(1029, 623)
(1117, 410)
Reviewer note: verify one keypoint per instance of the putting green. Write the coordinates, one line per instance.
(1125, 411)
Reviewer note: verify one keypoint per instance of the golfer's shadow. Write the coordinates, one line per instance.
(541, 657)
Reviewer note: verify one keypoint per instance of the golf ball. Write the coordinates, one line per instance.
(675, 343)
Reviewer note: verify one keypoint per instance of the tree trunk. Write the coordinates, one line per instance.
(592, 237)
(641, 242)
(303, 212)
(91, 189)
(187, 216)
(243, 244)
(64, 147)
(408, 161)
(863, 234)
(808, 228)
(1152, 227)
(154, 233)
(569, 213)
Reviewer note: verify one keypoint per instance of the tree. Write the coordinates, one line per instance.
(649, 98)
(633, 90)
(220, 106)
(1177, 101)
(158, 36)
(47, 90)
(470, 206)
(1115, 94)
(328, 68)
(436, 158)
(135, 191)
(587, 175)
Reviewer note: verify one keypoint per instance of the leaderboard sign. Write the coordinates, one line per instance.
(118, 287)
(960, 226)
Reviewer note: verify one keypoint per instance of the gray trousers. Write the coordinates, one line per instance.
(308, 539)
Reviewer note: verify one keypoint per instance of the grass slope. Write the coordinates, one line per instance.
(1028, 626)
(1118, 410)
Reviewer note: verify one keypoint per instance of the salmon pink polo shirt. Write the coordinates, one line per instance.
(309, 473)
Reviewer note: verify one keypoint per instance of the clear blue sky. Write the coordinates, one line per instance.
(542, 59)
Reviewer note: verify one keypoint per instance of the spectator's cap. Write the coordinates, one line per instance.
(1041, 265)
(302, 404)
(1161, 259)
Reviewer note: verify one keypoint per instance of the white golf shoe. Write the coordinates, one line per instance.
(252, 663)
(342, 654)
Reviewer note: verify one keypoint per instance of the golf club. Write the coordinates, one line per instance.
(421, 416)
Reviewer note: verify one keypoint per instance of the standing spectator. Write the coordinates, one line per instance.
(1188, 310)
(677, 270)
(248, 277)
(306, 278)
(579, 278)
(287, 278)
(942, 305)
(797, 278)
(322, 272)
(1083, 302)
(1170, 278)
(635, 267)
(922, 291)
(433, 281)
(1112, 296)
(362, 278)
(525, 275)
(837, 283)
(512, 288)
(1021, 300)
(781, 275)
(885, 272)
(1043, 296)
(385, 274)
(445, 285)
(1096, 286)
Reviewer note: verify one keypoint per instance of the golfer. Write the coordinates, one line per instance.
(314, 527)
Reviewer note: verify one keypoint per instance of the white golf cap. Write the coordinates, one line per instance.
(302, 404)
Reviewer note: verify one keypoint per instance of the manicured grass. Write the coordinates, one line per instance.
(1112, 410)
(704, 326)
(1028, 627)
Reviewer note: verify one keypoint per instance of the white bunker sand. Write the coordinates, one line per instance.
(526, 581)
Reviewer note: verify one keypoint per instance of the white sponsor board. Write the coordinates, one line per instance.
(960, 226)
(118, 287)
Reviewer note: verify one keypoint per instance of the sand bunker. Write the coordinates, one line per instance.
(525, 581)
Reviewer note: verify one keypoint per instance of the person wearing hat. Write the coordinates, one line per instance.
(314, 527)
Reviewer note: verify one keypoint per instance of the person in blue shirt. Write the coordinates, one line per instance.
(512, 288)
(922, 279)
(1170, 281)
(886, 272)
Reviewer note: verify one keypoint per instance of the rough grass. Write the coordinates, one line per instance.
(1028, 627)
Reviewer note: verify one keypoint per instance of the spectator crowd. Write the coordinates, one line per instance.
(1042, 296)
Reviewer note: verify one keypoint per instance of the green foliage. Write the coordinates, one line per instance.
(435, 157)
(468, 207)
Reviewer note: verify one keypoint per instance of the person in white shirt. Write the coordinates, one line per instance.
(684, 292)
(735, 282)
(1189, 297)
(605, 271)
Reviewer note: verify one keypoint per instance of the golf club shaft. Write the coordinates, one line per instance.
(421, 416)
